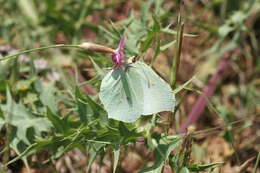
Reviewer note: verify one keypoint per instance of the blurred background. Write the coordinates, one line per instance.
(220, 51)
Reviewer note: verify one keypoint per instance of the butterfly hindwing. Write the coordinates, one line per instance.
(158, 95)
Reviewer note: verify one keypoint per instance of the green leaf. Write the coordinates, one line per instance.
(224, 30)
(124, 130)
(98, 110)
(56, 121)
(166, 46)
(145, 6)
(184, 170)
(91, 158)
(27, 125)
(162, 152)
(84, 110)
(23, 85)
(48, 98)
(134, 91)
(99, 70)
(197, 167)
(181, 87)
(157, 51)
(96, 149)
(167, 30)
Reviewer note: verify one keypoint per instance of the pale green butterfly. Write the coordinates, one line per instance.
(127, 93)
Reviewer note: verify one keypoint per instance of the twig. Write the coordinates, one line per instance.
(245, 165)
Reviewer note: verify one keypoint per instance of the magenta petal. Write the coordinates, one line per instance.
(119, 55)
(121, 43)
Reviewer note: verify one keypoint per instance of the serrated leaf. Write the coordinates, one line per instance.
(27, 125)
(162, 152)
(137, 90)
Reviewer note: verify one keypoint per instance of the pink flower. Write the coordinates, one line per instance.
(119, 55)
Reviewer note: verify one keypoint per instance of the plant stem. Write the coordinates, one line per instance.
(8, 57)
(176, 59)
(257, 162)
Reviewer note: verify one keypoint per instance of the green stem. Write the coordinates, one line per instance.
(176, 59)
(257, 162)
(8, 57)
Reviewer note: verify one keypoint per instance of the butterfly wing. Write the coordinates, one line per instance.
(137, 90)
(158, 95)
(120, 96)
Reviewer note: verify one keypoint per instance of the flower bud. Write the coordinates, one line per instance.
(96, 48)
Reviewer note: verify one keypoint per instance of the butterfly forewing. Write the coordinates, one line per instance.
(119, 95)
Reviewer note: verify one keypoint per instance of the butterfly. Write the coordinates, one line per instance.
(128, 93)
